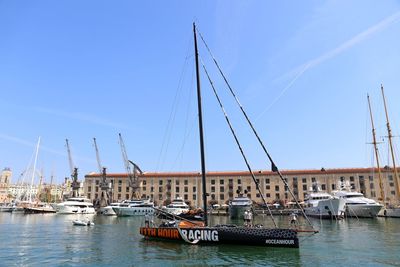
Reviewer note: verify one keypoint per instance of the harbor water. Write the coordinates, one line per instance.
(52, 240)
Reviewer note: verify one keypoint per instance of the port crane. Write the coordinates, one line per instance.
(132, 173)
(74, 172)
(104, 186)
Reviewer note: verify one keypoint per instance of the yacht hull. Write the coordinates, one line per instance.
(363, 211)
(133, 211)
(226, 235)
(392, 212)
(327, 209)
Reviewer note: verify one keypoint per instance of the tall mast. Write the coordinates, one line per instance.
(376, 151)
(396, 176)
(203, 165)
(34, 169)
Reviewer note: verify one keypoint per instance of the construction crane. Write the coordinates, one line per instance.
(74, 173)
(104, 186)
(132, 173)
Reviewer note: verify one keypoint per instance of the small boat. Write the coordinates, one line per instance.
(82, 223)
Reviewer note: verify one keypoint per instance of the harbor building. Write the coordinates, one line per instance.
(223, 186)
(5, 181)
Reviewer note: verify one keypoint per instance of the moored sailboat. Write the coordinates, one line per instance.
(195, 232)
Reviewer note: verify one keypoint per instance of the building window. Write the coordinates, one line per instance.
(177, 189)
(119, 181)
(390, 177)
(268, 195)
(267, 180)
(258, 195)
(248, 188)
(393, 193)
(267, 187)
(88, 195)
(127, 196)
(194, 197)
(185, 197)
(160, 182)
(391, 184)
(221, 189)
(185, 182)
(127, 189)
(89, 188)
(239, 181)
(276, 187)
(144, 182)
(119, 189)
(323, 186)
(351, 178)
(304, 187)
(186, 189)
(371, 178)
(97, 182)
(212, 196)
(304, 180)
(373, 194)
(333, 186)
(212, 188)
(152, 189)
(194, 189)
(119, 196)
(221, 181)
(277, 196)
(313, 179)
(160, 189)
(176, 182)
(159, 196)
(212, 181)
(97, 189)
(96, 196)
(221, 197)
(371, 186)
(143, 188)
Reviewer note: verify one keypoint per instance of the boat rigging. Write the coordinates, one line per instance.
(193, 232)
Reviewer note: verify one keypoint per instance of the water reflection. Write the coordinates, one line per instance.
(52, 240)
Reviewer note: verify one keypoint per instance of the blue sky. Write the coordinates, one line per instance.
(302, 70)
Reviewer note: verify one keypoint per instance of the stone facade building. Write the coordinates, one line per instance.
(222, 186)
(5, 181)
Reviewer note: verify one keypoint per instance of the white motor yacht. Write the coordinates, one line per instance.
(323, 205)
(176, 207)
(357, 205)
(134, 207)
(108, 210)
(238, 205)
(76, 205)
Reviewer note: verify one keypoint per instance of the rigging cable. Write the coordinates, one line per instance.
(273, 166)
(238, 143)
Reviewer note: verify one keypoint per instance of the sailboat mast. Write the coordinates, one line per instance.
(34, 169)
(376, 151)
(396, 176)
(203, 164)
